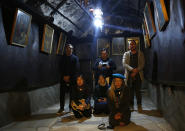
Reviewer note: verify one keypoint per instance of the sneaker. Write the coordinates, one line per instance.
(60, 112)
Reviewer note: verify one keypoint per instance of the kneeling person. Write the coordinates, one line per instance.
(80, 99)
(118, 101)
(100, 96)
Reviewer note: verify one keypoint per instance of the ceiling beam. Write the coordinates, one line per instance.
(58, 6)
(87, 12)
(47, 3)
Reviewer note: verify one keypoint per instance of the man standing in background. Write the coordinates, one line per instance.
(104, 66)
(133, 62)
(69, 68)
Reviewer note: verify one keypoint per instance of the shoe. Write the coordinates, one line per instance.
(139, 108)
(110, 127)
(60, 112)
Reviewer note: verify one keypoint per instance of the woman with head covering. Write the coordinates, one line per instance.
(118, 101)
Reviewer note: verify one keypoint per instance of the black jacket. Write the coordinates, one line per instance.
(69, 65)
(123, 102)
(100, 92)
(106, 72)
(79, 93)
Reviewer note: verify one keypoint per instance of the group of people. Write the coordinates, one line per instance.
(113, 94)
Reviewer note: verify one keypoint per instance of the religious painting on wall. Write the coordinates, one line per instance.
(146, 35)
(149, 21)
(118, 46)
(21, 28)
(136, 39)
(103, 43)
(61, 43)
(162, 16)
(47, 39)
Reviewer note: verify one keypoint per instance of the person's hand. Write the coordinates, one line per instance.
(117, 116)
(133, 74)
(99, 100)
(104, 99)
(107, 66)
(66, 78)
(100, 66)
(81, 107)
(122, 124)
(135, 70)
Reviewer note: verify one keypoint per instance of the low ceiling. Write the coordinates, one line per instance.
(74, 15)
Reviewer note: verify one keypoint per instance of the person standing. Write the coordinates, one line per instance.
(133, 62)
(105, 66)
(69, 68)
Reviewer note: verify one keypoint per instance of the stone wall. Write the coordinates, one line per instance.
(170, 100)
(14, 105)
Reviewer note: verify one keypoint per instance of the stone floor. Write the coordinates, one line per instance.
(46, 120)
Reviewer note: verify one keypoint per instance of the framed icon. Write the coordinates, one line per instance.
(47, 39)
(61, 43)
(21, 28)
(118, 46)
(162, 16)
(149, 21)
(136, 39)
(103, 43)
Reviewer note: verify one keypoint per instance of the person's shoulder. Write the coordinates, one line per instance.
(74, 56)
(98, 59)
(127, 52)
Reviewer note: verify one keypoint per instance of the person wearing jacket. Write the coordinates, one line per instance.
(133, 62)
(118, 101)
(80, 100)
(104, 65)
(100, 96)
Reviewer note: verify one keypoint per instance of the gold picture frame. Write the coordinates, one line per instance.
(47, 39)
(146, 35)
(21, 28)
(161, 12)
(136, 39)
(61, 43)
(118, 46)
(103, 43)
(149, 21)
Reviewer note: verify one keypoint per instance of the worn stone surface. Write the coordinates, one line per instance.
(150, 119)
(17, 105)
(171, 103)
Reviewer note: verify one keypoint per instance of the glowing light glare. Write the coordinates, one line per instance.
(98, 23)
(97, 13)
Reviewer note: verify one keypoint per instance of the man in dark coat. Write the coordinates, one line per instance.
(69, 68)
(118, 101)
(104, 65)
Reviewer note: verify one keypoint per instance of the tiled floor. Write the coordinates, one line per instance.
(148, 120)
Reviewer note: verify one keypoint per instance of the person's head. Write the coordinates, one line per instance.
(132, 45)
(104, 54)
(117, 84)
(101, 80)
(69, 49)
(80, 80)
